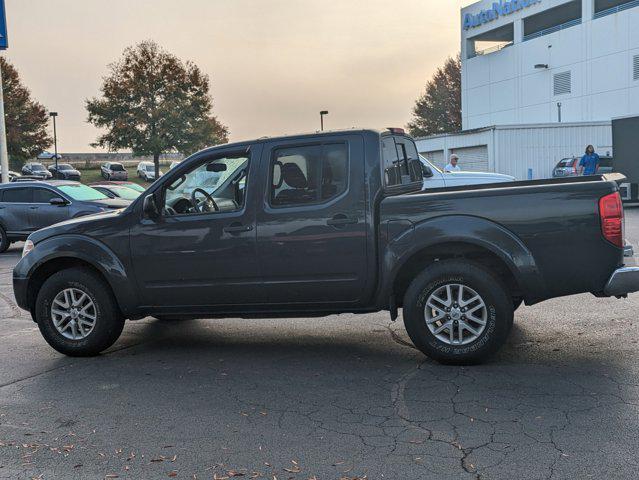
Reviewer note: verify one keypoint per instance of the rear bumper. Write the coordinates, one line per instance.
(625, 279)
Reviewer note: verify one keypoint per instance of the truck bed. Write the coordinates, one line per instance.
(555, 220)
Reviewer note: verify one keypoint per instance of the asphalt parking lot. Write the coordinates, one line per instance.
(344, 397)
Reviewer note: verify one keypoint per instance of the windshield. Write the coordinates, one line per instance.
(426, 162)
(566, 162)
(37, 167)
(64, 166)
(116, 167)
(125, 192)
(149, 168)
(82, 192)
(136, 187)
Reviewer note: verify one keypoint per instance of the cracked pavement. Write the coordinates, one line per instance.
(340, 397)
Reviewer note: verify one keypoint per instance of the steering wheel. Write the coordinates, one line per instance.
(208, 201)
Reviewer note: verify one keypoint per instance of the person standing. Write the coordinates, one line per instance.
(452, 164)
(589, 163)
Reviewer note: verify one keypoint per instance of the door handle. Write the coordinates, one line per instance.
(341, 220)
(34, 207)
(237, 228)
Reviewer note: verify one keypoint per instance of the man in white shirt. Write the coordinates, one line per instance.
(452, 164)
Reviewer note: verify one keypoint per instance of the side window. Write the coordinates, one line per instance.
(214, 186)
(400, 161)
(308, 174)
(43, 195)
(17, 195)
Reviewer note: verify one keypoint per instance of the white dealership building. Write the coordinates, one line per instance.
(541, 79)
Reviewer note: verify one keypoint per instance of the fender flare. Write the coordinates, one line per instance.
(90, 251)
(470, 230)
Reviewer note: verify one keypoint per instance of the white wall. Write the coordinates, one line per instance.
(514, 149)
(504, 88)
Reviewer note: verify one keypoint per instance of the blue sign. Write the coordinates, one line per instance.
(504, 7)
(4, 41)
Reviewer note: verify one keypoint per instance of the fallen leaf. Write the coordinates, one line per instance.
(173, 474)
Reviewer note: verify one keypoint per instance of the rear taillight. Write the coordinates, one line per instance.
(611, 215)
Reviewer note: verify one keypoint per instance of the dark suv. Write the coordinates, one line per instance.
(27, 207)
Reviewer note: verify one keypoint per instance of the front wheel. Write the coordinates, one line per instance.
(458, 313)
(77, 314)
(4, 241)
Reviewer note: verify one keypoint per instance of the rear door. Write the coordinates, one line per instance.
(311, 231)
(15, 208)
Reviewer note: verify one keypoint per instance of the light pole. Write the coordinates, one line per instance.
(55, 140)
(322, 113)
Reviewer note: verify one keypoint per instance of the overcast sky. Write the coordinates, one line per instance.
(273, 64)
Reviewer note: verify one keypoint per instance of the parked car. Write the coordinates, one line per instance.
(116, 191)
(436, 178)
(64, 171)
(12, 175)
(146, 170)
(28, 206)
(114, 171)
(321, 224)
(569, 167)
(36, 170)
(48, 156)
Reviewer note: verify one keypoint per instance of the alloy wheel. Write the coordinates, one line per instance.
(455, 314)
(73, 313)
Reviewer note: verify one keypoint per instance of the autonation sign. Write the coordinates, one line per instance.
(504, 7)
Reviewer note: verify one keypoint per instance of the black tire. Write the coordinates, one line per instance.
(109, 321)
(495, 295)
(517, 302)
(4, 240)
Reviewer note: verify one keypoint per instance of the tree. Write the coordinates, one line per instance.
(438, 110)
(153, 103)
(26, 120)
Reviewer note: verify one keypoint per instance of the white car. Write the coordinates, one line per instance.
(174, 164)
(436, 178)
(146, 170)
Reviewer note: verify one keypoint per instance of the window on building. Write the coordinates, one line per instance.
(552, 20)
(492, 41)
(562, 83)
(608, 7)
(635, 67)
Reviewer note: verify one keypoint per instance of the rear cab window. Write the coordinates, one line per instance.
(400, 163)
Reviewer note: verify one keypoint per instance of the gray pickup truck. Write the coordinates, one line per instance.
(320, 224)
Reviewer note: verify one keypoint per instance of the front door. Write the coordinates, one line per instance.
(200, 252)
(42, 212)
(312, 235)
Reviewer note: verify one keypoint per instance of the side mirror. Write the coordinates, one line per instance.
(426, 171)
(216, 167)
(150, 208)
(58, 202)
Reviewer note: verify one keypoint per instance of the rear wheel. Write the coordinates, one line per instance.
(4, 240)
(77, 314)
(458, 312)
